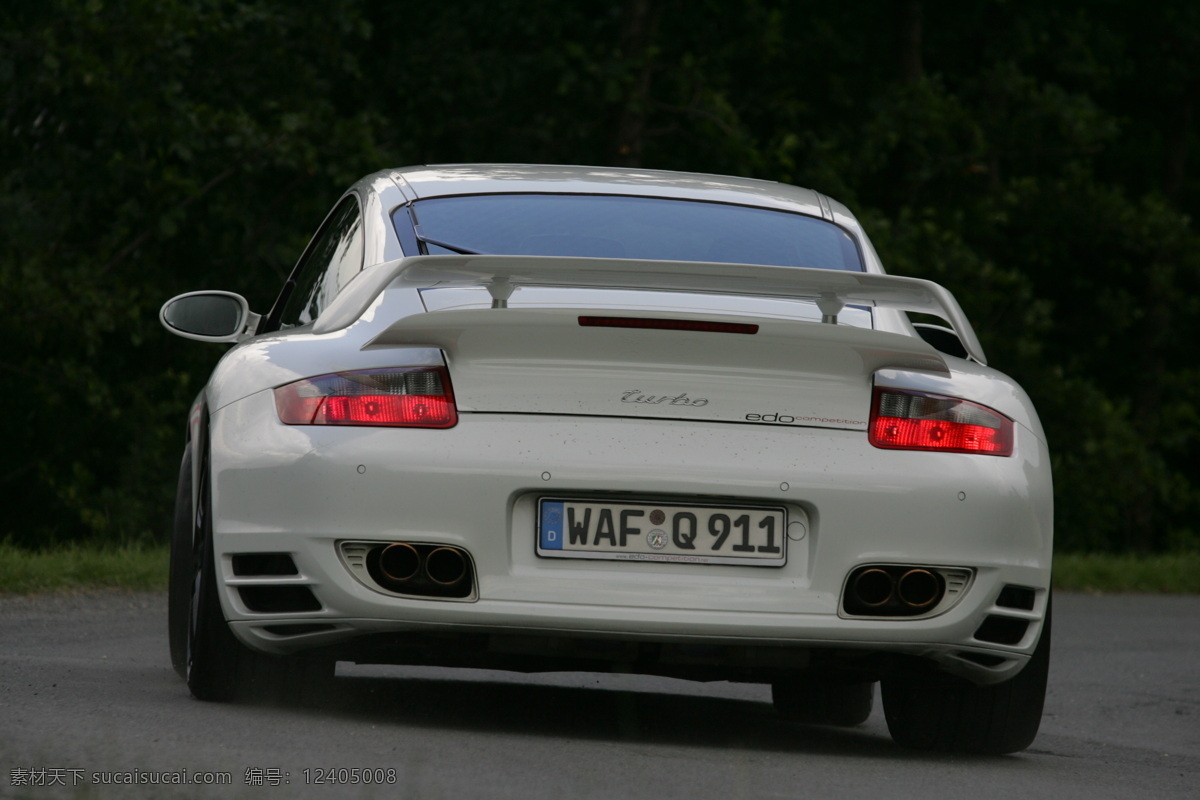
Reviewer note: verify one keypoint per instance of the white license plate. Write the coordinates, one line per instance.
(695, 534)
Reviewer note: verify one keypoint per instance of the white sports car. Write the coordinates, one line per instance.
(546, 418)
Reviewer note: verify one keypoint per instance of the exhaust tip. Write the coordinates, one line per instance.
(895, 590)
(417, 569)
(400, 562)
(918, 588)
(446, 566)
(874, 587)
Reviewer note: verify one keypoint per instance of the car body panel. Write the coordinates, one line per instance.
(303, 490)
(543, 361)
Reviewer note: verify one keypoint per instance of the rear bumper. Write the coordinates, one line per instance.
(303, 490)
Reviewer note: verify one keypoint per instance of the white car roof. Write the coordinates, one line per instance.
(443, 180)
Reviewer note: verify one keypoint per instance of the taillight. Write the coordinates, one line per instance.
(904, 420)
(414, 397)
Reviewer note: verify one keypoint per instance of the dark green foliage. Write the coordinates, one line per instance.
(149, 148)
(1036, 158)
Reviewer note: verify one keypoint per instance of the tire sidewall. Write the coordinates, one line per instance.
(934, 711)
(211, 649)
(181, 571)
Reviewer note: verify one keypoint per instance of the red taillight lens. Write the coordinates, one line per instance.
(416, 397)
(902, 420)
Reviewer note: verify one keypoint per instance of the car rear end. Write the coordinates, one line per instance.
(614, 445)
(693, 494)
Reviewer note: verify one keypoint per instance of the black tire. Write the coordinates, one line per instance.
(218, 666)
(212, 651)
(818, 701)
(930, 711)
(180, 575)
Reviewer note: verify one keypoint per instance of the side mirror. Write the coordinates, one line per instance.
(209, 316)
(941, 339)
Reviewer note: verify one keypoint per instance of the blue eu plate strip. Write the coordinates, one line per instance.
(551, 530)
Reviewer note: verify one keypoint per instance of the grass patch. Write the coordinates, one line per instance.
(1158, 574)
(81, 568)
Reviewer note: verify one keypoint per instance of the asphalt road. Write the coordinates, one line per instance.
(88, 700)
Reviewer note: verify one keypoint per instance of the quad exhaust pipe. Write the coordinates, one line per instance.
(874, 587)
(918, 588)
(421, 569)
(892, 590)
(446, 566)
(400, 562)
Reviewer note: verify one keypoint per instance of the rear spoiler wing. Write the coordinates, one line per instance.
(831, 290)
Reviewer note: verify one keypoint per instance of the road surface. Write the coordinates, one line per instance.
(90, 704)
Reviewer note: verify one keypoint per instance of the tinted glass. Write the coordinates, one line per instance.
(332, 259)
(607, 226)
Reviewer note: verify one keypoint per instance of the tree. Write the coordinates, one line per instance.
(134, 170)
(1034, 157)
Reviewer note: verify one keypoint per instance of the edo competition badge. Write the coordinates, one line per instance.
(657, 539)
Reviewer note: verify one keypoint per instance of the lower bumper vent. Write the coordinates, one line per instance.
(264, 564)
(1018, 597)
(278, 599)
(1002, 630)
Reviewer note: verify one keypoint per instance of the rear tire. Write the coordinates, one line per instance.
(818, 701)
(218, 667)
(934, 711)
(179, 586)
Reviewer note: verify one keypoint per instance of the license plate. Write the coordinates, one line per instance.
(697, 534)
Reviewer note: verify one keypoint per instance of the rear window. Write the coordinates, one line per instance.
(608, 226)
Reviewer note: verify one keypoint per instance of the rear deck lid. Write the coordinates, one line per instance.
(640, 361)
(666, 365)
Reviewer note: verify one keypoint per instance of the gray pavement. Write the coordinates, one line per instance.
(88, 701)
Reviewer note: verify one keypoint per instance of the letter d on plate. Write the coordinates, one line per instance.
(550, 530)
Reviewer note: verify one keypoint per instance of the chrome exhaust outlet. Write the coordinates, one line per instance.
(918, 588)
(418, 569)
(899, 590)
(446, 566)
(874, 587)
(400, 562)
